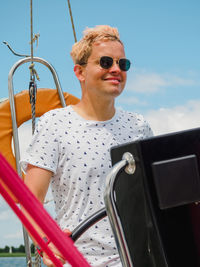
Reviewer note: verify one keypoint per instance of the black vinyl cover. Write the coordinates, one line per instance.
(157, 205)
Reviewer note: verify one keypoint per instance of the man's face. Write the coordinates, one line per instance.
(104, 82)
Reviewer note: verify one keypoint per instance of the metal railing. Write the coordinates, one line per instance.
(15, 128)
(128, 163)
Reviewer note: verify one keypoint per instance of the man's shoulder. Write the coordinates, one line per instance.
(56, 113)
(130, 115)
(137, 120)
(52, 117)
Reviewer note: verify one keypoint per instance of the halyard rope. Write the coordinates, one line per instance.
(73, 28)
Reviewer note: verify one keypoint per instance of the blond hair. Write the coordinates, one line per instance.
(82, 50)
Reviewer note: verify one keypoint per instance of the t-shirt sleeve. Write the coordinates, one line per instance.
(147, 130)
(143, 127)
(43, 149)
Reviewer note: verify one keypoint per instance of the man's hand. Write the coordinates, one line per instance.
(57, 254)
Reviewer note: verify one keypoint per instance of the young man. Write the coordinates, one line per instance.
(71, 146)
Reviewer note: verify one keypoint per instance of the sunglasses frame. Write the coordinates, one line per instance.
(111, 63)
(122, 66)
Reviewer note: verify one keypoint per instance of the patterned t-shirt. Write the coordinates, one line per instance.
(77, 151)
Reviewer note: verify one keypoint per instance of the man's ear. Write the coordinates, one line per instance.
(79, 72)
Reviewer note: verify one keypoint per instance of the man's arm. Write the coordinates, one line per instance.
(37, 180)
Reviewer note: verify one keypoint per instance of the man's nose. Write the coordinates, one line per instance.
(115, 67)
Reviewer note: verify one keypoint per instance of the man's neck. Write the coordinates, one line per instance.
(100, 111)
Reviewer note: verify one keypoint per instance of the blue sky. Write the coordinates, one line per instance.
(161, 38)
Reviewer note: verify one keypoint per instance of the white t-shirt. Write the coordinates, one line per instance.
(77, 151)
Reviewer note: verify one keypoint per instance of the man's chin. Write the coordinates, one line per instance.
(117, 91)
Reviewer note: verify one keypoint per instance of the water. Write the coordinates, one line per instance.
(13, 262)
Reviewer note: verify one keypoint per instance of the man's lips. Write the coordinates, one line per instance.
(113, 79)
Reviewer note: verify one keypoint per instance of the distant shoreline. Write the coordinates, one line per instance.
(12, 255)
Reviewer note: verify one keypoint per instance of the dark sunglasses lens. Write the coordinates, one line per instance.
(124, 64)
(106, 62)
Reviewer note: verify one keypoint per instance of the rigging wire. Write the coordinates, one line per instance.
(32, 95)
(72, 22)
(31, 16)
(33, 72)
(16, 54)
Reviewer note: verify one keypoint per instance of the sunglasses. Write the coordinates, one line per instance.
(106, 62)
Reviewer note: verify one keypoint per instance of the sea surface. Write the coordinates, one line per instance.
(13, 262)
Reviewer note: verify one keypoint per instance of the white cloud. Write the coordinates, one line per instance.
(178, 118)
(16, 235)
(3, 99)
(3, 203)
(131, 100)
(6, 215)
(150, 82)
(175, 80)
(146, 83)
